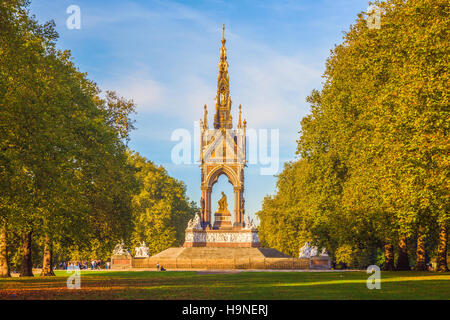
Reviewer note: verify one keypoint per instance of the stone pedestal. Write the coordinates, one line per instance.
(222, 220)
(121, 262)
(320, 262)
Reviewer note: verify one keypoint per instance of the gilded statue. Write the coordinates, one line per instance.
(223, 205)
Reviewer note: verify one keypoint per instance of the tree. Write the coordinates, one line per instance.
(4, 266)
(63, 165)
(161, 209)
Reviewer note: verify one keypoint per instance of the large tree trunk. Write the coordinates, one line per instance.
(403, 260)
(4, 265)
(47, 263)
(388, 257)
(27, 265)
(442, 250)
(420, 251)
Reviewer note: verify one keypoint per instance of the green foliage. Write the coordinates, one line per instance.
(345, 254)
(160, 209)
(374, 149)
(66, 173)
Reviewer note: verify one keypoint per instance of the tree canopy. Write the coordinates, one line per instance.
(70, 187)
(373, 162)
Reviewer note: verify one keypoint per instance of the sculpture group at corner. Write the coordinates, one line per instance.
(308, 251)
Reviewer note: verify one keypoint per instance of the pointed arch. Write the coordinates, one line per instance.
(214, 175)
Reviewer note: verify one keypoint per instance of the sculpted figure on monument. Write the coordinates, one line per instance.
(248, 223)
(324, 253)
(308, 251)
(223, 205)
(305, 251)
(142, 251)
(120, 249)
(194, 223)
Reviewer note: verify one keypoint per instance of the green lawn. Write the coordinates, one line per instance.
(241, 286)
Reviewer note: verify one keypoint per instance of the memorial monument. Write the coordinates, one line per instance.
(224, 243)
(222, 152)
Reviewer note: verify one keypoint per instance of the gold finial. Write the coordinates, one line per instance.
(223, 33)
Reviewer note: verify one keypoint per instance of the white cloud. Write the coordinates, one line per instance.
(148, 94)
(274, 91)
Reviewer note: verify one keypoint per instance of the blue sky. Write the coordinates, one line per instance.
(164, 55)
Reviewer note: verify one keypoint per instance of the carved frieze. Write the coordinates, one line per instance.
(222, 237)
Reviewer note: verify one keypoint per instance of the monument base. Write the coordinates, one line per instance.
(215, 258)
(121, 262)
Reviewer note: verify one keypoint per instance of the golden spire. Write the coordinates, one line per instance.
(222, 118)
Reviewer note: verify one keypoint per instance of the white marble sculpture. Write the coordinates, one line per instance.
(324, 253)
(313, 251)
(308, 251)
(142, 251)
(195, 223)
(248, 223)
(120, 249)
(305, 251)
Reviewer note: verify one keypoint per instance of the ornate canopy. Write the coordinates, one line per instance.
(222, 149)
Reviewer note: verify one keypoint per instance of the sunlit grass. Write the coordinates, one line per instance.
(242, 286)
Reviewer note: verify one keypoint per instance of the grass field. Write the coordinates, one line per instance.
(241, 286)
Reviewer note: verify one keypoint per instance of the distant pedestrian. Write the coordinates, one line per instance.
(157, 266)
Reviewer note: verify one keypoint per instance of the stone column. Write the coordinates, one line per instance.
(206, 209)
(236, 207)
(238, 210)
(208, 206)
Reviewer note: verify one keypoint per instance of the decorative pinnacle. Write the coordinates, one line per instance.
(240, 121)
(205, 118)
